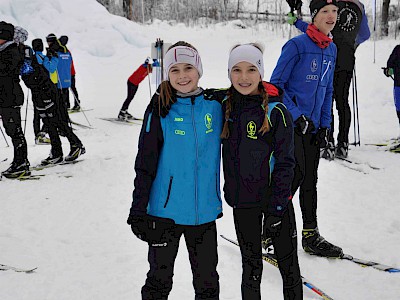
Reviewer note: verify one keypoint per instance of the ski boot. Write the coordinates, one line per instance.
(75, 152)
(51, 160)
(342, 150)
(124, 115)
(42, 139)
(17, 169)
(313, 243)
(328, 152)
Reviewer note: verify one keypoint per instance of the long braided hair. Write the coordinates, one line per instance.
(167, 92)
(265, 127)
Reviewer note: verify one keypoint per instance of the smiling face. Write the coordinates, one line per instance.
(245, 78)
(326, 18)
(184, 78)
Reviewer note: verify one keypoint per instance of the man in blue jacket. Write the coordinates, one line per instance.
(305, 72)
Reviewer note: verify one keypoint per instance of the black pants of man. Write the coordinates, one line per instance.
(201, 242)
(248, 225)
(77, 102)
(64, 97)
(11, 117)
(132, 89)
(341, 87)
(307, 153)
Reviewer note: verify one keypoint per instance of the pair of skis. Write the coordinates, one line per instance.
(135, 121)
(271, 259)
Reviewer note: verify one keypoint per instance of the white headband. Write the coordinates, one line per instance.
(182, 54)
(247, 53)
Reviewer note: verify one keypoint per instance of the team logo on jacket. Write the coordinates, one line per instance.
(208, 123)
(347, 19)
(314, 65)
(251, 130)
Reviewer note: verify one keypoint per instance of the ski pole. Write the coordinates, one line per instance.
(2, 132)
(357, 142)
(79, 103)
(26, 111)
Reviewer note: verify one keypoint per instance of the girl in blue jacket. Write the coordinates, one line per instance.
(258, 164)
(305, 72)
(178, 177)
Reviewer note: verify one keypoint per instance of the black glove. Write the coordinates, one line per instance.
(272, 226)
(153, 230)
(51, 53)
(322, 137)
(304, 124)
(138, 226)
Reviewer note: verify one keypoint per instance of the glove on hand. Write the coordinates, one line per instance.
(146, 63)
(272, 226)
(304, 124)
(388, 72)
(322, 137)
(291, 18)
(139, 226)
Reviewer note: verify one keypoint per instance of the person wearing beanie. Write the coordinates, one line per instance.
(11, 100)
(350, 31)
(77, 102)
(172, 200)
(45, 98)
(258, 163)
(305, 71)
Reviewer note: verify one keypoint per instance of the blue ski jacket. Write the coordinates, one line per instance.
(178, 163)
(305, 72)
(64, 70)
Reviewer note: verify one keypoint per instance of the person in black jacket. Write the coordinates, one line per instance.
(11, 100)
(393, 69)
(258, 163)
(46, 101)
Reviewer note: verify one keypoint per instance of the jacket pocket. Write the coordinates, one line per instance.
(169, 191)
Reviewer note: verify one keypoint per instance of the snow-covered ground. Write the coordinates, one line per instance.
(74, 228)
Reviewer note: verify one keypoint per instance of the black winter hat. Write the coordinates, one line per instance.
(6, 31)
(316, 5)
(51, 38)
(63, 40)
(37, 45)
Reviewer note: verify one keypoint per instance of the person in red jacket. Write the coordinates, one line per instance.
(133, 84)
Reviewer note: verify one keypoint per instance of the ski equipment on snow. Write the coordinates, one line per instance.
(269, 258)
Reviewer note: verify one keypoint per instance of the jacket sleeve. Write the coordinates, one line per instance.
(301, 25)
(364, 32)
(283, 172)
(50, 64)
(394, 58)
(150, 144)
(282, 75)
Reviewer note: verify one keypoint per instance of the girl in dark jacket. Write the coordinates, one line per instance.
(258, 162)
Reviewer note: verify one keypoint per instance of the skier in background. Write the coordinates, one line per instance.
(305, 72)
(393, 69)
(77, 102)
(11, 100)
(133, 84)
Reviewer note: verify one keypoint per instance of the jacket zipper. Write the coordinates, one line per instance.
(197, 157)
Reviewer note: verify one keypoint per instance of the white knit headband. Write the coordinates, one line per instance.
(182, 54)
(247, 53)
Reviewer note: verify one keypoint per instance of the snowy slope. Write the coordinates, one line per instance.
(74, 229)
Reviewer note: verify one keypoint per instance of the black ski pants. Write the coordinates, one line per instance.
(77, 102)
(341, 87)
(306, 153)
(201, 243)
(11, 117)
(248, 225)
(132, 89)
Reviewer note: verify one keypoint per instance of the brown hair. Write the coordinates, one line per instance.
(167, 92)
(264, 95)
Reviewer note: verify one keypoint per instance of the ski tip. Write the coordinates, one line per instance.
(393, 270)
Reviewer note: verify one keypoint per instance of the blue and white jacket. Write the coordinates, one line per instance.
(64, 70)
(305, 72)
(178, 162)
